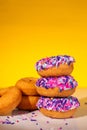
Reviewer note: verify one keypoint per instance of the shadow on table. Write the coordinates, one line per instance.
(82, 110)
(19, 112)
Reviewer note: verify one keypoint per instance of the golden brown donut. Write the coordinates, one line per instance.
(56, 114)
(63, 69)
(55, 92)
(9, 100)
(58, 107)
(28, 103)
(55, 66)
(62, 86)
(3, 91)
(27, 86)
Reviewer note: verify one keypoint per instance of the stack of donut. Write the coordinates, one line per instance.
(56, 86)
(29, 94)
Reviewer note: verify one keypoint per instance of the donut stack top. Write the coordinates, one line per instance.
(49, 62)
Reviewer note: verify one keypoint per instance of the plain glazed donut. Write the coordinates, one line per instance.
(28, 103)
(27, 86)
(55, 66)
(61, 86)
(58, 107)
(9, 100)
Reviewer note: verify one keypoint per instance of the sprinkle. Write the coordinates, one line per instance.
(47, 122)
(33, 113)
(12, 123)
(8, 117)
(33, 120)
(41, 129)
(66, 123)
(7, 122)
(17, 121)
(60, 128)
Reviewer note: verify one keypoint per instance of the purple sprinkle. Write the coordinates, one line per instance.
(24, 119)
(60, 128)
(33, 112)
(12, 123)
(47, 122)
(33, 120)
(66, 123)
(36, 123)
(8, 117)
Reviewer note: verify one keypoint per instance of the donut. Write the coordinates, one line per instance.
(55, 66)
(3, 91)
(28, 103)
(27, 86)
(9, 100)
(58, 107)
(61, 86)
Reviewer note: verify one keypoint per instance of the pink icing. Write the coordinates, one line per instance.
(58, 104)
(62, 82)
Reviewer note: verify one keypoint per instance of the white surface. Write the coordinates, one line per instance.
(36, 121)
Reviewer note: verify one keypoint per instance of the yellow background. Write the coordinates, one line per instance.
(33, 29)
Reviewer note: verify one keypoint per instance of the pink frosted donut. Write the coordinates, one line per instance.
(58, 107)
(55, 66)
(61, 86)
